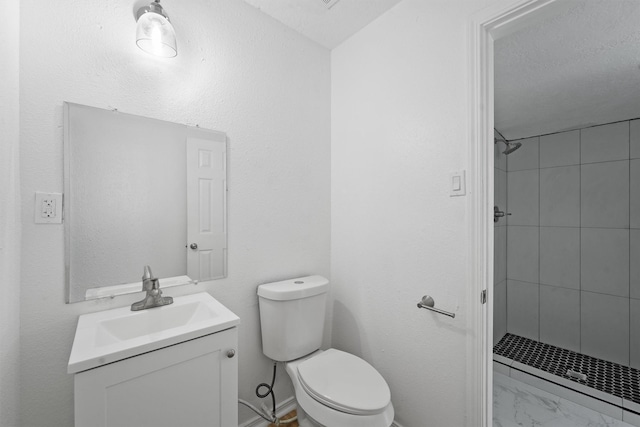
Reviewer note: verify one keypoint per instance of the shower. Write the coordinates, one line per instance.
(511, 146)
(549, 329)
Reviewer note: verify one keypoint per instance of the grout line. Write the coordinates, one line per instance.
(539, 240)
(580, 241)
(601, 162)
(566, 166)
(578, 129)
(577, 164)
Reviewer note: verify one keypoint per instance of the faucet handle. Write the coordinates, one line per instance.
(147, 275)
(148, 280)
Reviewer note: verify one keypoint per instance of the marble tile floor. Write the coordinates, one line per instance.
(519, 404)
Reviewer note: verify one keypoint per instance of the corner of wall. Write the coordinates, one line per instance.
(9, 218)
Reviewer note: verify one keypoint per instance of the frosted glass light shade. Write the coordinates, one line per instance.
(156, 35)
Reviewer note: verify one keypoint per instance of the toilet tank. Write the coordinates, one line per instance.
(292, 314)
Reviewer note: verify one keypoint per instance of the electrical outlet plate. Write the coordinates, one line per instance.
(48, 208)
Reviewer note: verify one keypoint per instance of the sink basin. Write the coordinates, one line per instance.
(112, 335)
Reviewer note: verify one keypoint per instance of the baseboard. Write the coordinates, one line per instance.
(284, 408)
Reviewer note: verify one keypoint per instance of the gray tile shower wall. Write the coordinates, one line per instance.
(572, 244)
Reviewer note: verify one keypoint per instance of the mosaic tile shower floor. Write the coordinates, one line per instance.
(618, 380)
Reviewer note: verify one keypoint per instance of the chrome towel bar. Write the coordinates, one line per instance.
(428, 303)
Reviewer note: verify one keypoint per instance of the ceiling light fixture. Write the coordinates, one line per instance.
(155, 34)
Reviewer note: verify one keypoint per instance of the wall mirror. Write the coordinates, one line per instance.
(141, 191)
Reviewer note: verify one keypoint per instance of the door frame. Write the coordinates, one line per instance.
(486, 26)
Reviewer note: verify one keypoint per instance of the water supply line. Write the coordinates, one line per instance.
(269, 388)
(264, 413)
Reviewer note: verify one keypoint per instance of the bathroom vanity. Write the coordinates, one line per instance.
(167, 366)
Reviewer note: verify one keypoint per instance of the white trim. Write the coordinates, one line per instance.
(493, 22)
(284, 408)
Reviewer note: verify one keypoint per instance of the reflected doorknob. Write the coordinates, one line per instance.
(194, 246)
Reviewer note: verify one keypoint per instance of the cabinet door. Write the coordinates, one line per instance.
(190, 384)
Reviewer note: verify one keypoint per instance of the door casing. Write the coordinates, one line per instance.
(487, 25)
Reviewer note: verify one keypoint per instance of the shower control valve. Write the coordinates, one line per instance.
(497, 214)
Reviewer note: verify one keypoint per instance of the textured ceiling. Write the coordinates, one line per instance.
(575, 69)
(578, 68)
(328, 27)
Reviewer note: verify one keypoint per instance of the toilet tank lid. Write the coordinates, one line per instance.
(302, 287)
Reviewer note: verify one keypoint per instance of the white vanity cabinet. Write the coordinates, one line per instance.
(192, 383)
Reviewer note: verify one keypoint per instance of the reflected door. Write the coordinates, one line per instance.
(206, 216)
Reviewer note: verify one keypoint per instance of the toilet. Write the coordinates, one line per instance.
(333, 388)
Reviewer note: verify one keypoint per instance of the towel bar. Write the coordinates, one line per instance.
(428, 303)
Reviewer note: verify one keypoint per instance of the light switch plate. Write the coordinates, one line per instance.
(457, 183)
(48, 208)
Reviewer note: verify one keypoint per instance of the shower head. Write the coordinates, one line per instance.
(511, 146)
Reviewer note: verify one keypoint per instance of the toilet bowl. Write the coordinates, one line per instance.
(333, 388)
(338, 389)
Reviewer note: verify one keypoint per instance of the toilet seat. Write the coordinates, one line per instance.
(344, 382)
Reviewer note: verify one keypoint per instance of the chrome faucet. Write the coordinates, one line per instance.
(154, 296)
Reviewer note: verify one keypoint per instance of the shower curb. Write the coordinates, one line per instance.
(608, 387)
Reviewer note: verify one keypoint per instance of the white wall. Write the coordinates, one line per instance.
(399, 127)
(9, 216)
(237, 71)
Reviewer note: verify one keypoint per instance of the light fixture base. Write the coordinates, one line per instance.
(153, 7)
